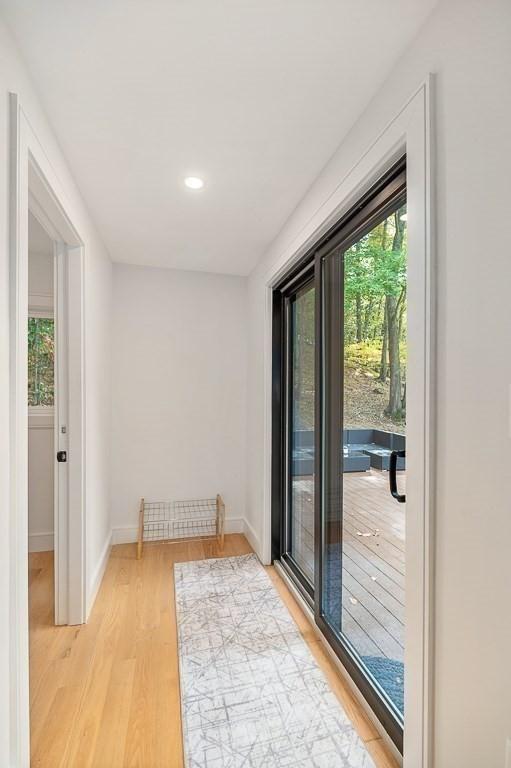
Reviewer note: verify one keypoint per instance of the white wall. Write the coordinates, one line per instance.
(179, 381)
(40, 425)
(97, 356)
(468, 45)
(40, 271)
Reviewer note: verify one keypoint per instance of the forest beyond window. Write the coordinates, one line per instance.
(374, 333)
(375, 327)
(41, 356)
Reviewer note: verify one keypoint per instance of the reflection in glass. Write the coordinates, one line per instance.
(301, 432)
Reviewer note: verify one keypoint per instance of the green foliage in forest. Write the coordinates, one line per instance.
(41, 354)
(365, 356)
(375, 309)
(374, 333)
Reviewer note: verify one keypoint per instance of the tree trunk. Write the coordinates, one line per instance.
(383, 359)
(394, 406)
(358, 310)
(367, 318)
(393, 304)
(384, 346)
(402, 307)
(377, 327)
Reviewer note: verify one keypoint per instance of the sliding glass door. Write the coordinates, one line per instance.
(361, 600)
(298, 307)
(339, 422)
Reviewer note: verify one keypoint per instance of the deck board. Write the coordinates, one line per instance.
(373, 567)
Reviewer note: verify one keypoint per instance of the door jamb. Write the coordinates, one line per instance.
(60, 431)
(35, 185)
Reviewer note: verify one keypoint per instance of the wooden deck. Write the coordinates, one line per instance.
(373, 572)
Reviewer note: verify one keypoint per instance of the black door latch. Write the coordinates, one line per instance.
(62, 456)
(394, 456)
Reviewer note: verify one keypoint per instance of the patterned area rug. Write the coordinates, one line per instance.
(252, 694)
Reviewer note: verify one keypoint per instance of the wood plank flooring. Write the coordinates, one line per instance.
(106, 694)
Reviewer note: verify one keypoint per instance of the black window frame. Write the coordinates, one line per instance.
(282, 422)
(383, 197)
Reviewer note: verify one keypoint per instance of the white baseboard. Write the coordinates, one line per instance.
(126, 535)
(97, 577)
(234, 525)
(40, 542)
(129, 534)
(252, 538)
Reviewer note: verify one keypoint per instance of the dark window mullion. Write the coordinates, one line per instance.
(324, 265)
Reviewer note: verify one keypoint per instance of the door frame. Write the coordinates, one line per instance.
(408, 133)
(34, 185)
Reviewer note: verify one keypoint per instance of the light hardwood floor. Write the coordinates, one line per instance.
(106, 694)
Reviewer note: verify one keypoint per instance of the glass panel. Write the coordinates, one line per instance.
(41, 353)
(364, 556)
(301, 430)
(374, 425)
(331, 603)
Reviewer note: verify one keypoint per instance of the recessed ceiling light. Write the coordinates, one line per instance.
(193, 182)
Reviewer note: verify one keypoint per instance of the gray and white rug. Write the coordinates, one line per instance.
(252, 694)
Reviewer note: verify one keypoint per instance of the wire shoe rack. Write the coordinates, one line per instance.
(180, 521)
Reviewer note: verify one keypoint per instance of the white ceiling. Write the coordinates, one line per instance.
(252, 95)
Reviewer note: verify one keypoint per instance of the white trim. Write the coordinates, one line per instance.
(41, 416)
(40, 542)
(99, 572)
(76, 465)
(42, 410)
(61, 500)
(252, 537)
(40, 305)
(234, 525)
(18, 432)
(410, 130)
(34, 184)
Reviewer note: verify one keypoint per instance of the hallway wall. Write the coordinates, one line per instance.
(179, 382)
(467, 45)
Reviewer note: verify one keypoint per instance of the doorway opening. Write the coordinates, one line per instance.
(53, 597)
(41, 397)
(339, 437)
(35, 194)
